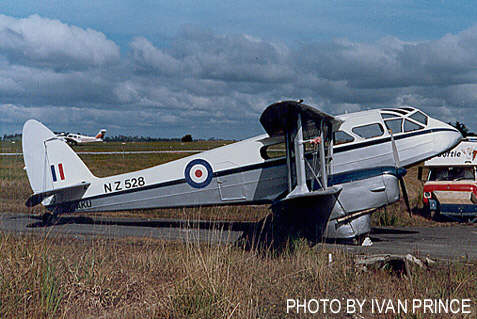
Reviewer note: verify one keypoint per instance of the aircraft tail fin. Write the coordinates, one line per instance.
(101, 134)
(49, 162)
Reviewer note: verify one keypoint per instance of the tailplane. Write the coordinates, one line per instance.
(51, 165)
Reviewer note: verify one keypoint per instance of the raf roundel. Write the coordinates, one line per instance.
(198, 173)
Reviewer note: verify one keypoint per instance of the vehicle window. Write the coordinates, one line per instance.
(368, 131)
(452, 174)
(411, 126)
(341, 137)
(419, 117)
(410, 109)
(394, 125)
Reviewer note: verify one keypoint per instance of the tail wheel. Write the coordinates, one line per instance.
(49, 219)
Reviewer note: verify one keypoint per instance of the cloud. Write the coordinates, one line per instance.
(213, 84)
(391, 63)
(205, 55)
(43, 42)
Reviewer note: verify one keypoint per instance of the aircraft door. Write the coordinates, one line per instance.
(230, 186)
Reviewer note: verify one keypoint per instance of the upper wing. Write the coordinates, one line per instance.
(280, 117)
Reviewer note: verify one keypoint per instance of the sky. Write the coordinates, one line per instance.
(209, 68)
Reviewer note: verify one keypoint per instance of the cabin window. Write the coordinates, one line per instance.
(411, 126)
(452, 174)
(369, 131)
(273, 151)
(389, 115)
(419, 117)
(341, 137)
(394, 125)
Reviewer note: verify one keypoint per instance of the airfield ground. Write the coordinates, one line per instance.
(76, 277)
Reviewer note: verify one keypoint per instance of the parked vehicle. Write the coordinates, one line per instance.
(451, 186)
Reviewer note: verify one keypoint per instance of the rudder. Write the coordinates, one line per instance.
(50, 163)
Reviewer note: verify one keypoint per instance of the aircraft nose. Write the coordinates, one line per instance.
(448, 138)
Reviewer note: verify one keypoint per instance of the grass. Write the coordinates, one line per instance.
(45, 277)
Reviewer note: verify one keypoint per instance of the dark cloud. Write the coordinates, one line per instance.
(217, 85)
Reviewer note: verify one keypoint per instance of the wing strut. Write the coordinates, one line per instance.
(301, 187)
(300, 123)
(305, 207)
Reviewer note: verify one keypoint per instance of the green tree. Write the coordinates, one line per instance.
(464, 130)
(186, 138)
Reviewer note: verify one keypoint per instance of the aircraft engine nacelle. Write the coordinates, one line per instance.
(377, 187)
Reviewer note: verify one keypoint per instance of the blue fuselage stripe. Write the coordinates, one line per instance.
(357, 175)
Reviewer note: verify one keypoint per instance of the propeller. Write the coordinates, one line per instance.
(400, 173)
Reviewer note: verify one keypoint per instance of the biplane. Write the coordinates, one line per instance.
(334, 169)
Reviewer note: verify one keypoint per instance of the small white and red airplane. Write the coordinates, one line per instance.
(75, 139)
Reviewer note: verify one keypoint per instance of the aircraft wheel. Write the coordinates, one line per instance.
(358, 240)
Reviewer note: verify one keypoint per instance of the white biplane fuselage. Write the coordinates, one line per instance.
(252, 171)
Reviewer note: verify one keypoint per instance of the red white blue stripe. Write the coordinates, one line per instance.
(60, 170)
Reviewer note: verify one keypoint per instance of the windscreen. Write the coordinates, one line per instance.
(452, 174)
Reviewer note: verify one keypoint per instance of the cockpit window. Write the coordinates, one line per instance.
(389, 115)
(419, 117)
(410, 109)
(411, 126)
(394, 125)
(341, 137)
(368, 131)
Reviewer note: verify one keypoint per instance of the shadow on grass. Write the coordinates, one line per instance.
(154, 223)
(269, 233)
(384, 230)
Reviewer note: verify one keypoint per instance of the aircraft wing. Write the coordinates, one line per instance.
(281, 116)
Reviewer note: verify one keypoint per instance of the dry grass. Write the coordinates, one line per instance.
(43, 277)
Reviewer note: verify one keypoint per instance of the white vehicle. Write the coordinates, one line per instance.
(327, 177)
(75, 139)
(451, 186)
